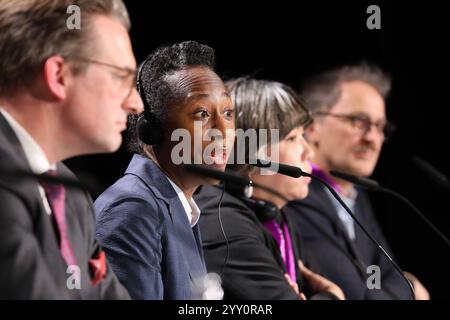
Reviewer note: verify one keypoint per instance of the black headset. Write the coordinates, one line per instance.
(149, 127)
(264, 210)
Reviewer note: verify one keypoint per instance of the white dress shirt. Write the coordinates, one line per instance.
(343, 215)
(189, 205)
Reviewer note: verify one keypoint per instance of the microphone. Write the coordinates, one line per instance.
(24, 174)
(207, 287)
(225, 176)
(432, 173)
(231, 177)
(281, 168)
(289, 170)
(373, 185)
(367, 183)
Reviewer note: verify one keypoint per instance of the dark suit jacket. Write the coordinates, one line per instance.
(31, 266)
(255, 268)
(147, 236)
(345, 261)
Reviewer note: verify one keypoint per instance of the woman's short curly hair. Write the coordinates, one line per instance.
(159, 93)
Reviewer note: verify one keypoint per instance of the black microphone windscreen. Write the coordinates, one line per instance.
(225, 176)
(431, 172)
(281, 168)
(361, 181)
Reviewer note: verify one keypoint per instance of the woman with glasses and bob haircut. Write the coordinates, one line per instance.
(249, 242)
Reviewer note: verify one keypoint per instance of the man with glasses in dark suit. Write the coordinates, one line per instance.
(347, 135)
(63, 93)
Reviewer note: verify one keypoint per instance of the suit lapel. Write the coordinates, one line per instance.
(17, 160)
(198, 239)
(13, 145)
(189, 238)
(189, 241)
(27, 190)
(330, 210)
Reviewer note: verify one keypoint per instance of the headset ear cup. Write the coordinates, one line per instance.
(266, 211)
(150, 130)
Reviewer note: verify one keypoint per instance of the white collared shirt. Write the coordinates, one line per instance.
(343, 215)
(189, 205)
(35, 155)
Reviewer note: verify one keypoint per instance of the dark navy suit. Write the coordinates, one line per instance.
(345, 261)
(145, 232)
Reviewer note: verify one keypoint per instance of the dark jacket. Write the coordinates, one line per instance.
(31, 266)
(254, 268)
(345, 261)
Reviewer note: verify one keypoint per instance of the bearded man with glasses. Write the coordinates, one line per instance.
(349, 129)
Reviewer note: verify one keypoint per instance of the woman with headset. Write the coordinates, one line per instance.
(246, 238)
(147, 220)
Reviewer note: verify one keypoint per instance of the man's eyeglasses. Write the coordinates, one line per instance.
(126, 75)
(362, 123)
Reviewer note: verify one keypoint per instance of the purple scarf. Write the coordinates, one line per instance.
(282, 235)
(283, 239)
(321, 174)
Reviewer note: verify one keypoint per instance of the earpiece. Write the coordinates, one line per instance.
(149, 128)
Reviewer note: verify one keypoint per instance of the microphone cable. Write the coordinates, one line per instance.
(296, 172)
(380, 247)
(373, 185)
(223, 232)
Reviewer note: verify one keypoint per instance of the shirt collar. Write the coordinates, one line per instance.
(189, 205)
(317, 171)
(35, 155)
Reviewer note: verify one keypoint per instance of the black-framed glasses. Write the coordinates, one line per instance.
(126, 75)
(363, 124)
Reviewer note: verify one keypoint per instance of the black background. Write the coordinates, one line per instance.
(288, 41)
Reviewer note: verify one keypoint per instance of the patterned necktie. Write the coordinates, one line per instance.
(56, 196)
